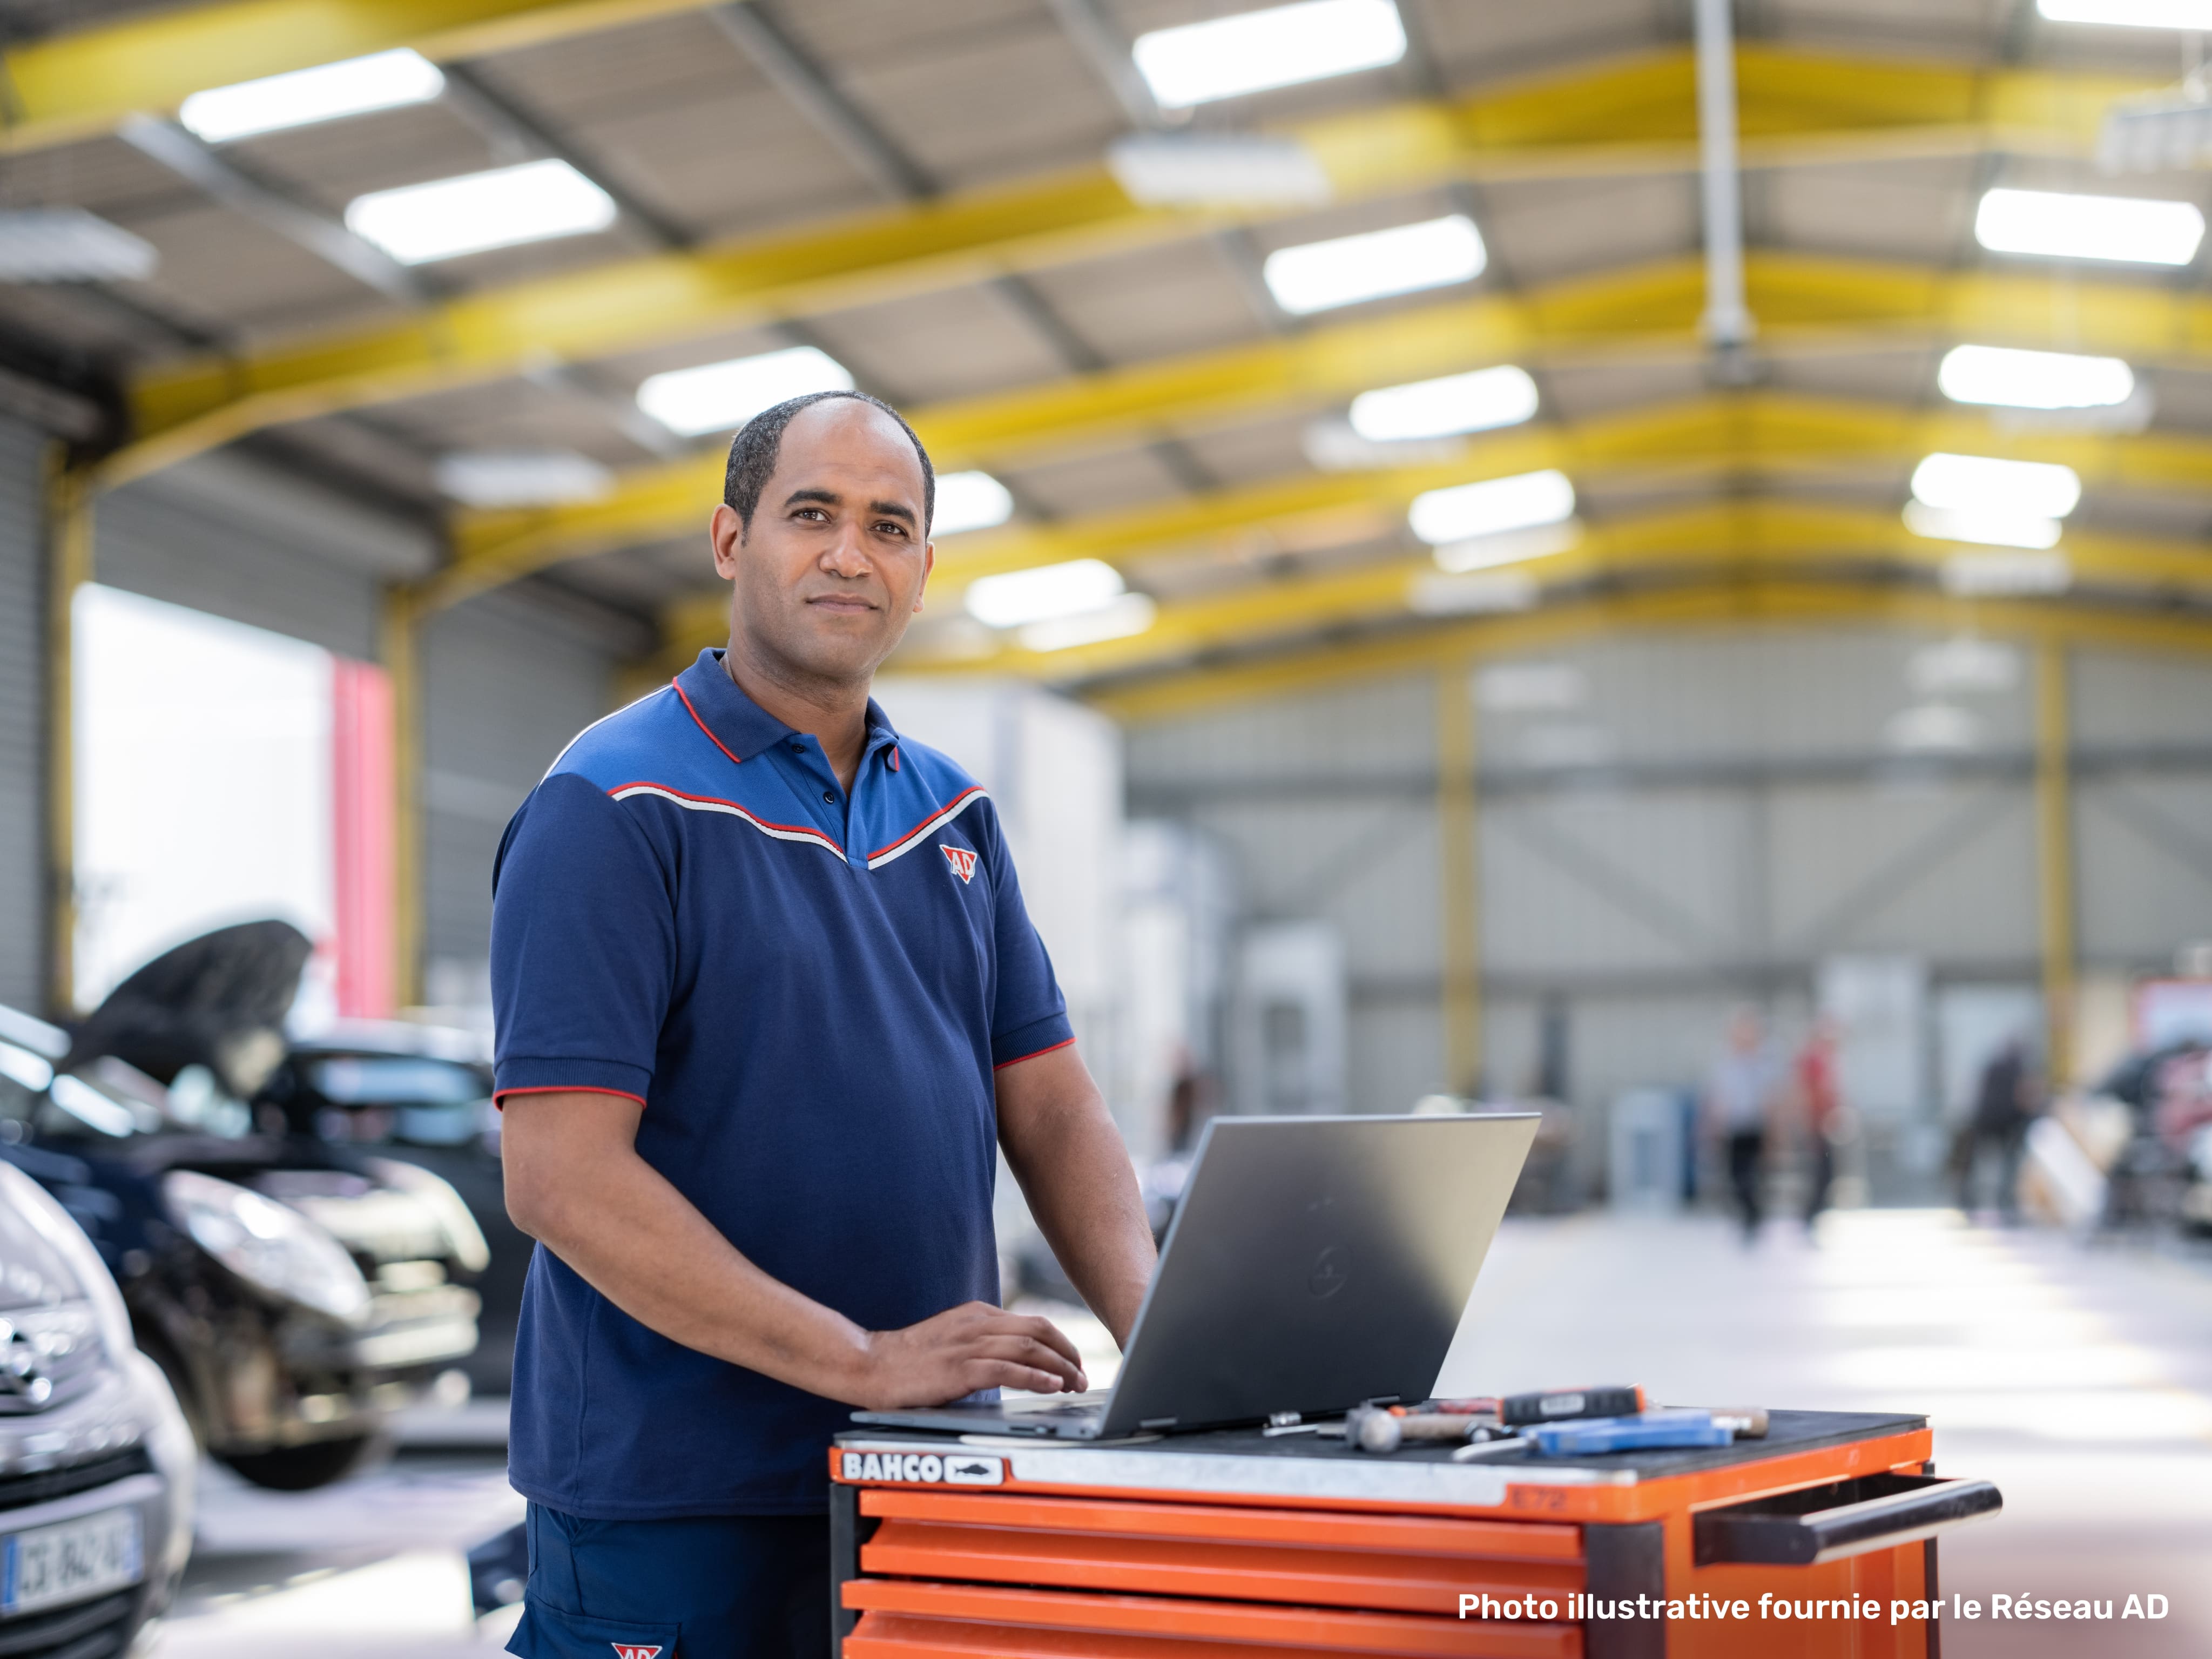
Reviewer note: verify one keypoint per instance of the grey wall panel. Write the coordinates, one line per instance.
(2143, 847)
(182, 547)
(1946, 872)
(1383, 729)
(2141, 699)
(1368, 866)
(23, 717)
(1397, 1055)
(505, 686)
(1584, 883)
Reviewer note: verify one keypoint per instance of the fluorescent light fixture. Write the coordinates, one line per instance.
(2066, 227)
(2007, 575)
(1331, 446)
(1375, 264)
(1932, 728)
(1260, 51)
(721, 397)
(2033, 380)
(1963, 663)
(1473, 402)
(67, 245)
(1045, 594)
(522, 477)
(1980, 483)
(1216, 169)
(478, 211)
(1131, 614)
(2137, 13)
(1527, 687)
(1465, 512)
(1986, 526)
(383, 79)
(1478, 593)
(970, 501)
(1508, 547)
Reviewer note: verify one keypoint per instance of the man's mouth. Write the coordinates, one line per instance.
(844, 603)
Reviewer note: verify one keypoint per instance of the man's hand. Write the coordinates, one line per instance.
(973, 1345)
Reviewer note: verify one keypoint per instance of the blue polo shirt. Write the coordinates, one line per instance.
(807, 993)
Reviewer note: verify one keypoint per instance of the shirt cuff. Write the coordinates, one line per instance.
(527, 1074)
(1027, 1041)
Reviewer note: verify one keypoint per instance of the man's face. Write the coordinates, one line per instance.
(833, 565)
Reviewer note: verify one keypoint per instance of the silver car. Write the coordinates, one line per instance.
(96, 1462)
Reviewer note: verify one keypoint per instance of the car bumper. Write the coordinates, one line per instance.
(130, 1425)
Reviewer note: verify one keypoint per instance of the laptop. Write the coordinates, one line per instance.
(1313, 1263)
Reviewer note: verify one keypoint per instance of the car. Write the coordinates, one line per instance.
(297, 1295)
(96, 1460)
(419, 1094)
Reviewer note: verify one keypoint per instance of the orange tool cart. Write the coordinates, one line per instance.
(1244, 1545)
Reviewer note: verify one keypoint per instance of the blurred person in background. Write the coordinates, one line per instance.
(1821, 1099)
(2002, 1106)
(1739, 1098)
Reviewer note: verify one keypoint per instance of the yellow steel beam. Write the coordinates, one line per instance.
(69, 533)
(1806, 306)
(1625, 115)
(81, 84)
(1719, 599)
(1751, 535)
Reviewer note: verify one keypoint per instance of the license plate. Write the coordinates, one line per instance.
(70, 1561)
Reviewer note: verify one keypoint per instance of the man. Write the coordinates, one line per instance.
(2003, 1108)
(768, 1004)
(1739, 1101)
(1822, 1098)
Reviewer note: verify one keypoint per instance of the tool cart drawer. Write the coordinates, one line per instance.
(1305, 1556)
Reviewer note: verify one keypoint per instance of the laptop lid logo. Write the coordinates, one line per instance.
(1332, 1272)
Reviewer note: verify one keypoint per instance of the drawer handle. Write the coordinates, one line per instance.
(1844, 1518)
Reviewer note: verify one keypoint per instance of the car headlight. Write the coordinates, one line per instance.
(73, 1256)
(436, 1194)
(268, 1244)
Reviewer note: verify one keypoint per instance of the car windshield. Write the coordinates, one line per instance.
(409, 1099)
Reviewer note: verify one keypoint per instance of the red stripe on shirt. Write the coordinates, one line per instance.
(500, 1099)
(703, 727)
(1065, 1043)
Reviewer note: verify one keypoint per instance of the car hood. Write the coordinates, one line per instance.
(218, 1001)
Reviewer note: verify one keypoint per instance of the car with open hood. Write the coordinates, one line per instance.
(296, 1293)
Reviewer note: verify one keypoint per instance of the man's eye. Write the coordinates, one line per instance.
(890, 527)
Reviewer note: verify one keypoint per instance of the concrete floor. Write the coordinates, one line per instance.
(2079, 1381)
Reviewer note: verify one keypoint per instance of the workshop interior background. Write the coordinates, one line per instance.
(1482, 566)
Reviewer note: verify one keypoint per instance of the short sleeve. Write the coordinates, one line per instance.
(1029, 1017)
(583, 946)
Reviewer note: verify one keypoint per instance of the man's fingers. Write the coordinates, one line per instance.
(1027, 1351)
(1006, 1374)
(1053, 1337)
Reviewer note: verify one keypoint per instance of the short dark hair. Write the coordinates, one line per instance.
(759, 442)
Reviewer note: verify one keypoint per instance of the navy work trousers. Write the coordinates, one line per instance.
(716, 1587)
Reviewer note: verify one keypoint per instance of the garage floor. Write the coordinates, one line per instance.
(2081, 1382)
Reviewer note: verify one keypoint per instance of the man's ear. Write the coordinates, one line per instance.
(928, 564)
(725, 534)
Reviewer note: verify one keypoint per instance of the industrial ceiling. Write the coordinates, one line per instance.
(921, 193)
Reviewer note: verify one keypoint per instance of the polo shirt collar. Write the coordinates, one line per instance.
(740, 727)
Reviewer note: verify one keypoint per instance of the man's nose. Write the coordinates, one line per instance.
(846, 555)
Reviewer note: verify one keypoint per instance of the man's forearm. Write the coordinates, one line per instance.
(640, 1244)
(1063, 1148)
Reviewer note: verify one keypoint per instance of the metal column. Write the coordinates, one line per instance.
(1460, 885)
(69, 567)
(2054, 843)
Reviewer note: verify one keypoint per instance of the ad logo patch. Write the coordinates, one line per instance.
(962, 861)
(925, 1468)
(631, 1651)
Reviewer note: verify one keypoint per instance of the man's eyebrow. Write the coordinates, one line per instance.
(895, 510)
(831, 498)
(826, 497)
